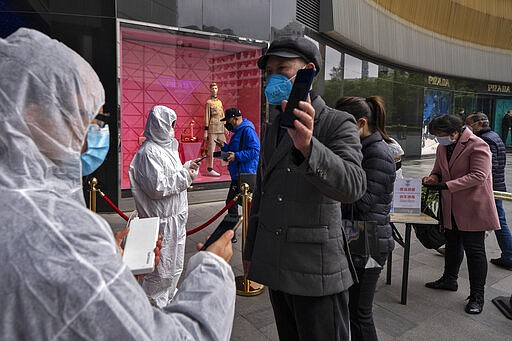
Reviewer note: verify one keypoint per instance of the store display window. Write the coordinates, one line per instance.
(177, 70)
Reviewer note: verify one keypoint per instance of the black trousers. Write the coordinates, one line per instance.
(360, 304)
(306, 318)
(504, 134)
(472, 243)
(234, 188)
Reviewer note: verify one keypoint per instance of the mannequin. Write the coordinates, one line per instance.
(214, 128)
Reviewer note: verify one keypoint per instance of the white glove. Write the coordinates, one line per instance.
(192, 168)
(193, 173)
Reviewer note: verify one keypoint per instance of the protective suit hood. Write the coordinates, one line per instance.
(159, 126)
(49, 95)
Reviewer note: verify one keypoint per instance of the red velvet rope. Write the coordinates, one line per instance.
(212, 219)
(197, 229)
(124, 216)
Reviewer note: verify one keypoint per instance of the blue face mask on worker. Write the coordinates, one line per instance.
(445, 140)
(98, 141)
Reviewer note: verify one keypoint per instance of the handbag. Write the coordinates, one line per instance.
(363, 240)
(431, 236)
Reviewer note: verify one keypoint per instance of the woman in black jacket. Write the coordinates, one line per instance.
(375, 204)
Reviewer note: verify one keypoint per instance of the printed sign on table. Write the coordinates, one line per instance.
(407, 196)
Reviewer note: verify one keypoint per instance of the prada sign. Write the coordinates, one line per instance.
(438, 81)
(502, 89)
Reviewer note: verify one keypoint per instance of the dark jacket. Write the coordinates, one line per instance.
(499, 157)
(246, 157)
(506, 121)
(295, 240)
(374, 205)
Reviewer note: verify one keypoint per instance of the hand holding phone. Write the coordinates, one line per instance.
(219, 231)
(300, 91)
(198, 161)
(223, 247)
(221, 155)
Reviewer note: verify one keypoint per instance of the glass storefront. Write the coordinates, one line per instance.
(248, 19)
(412, 99)
(169, 52)
(164, 67)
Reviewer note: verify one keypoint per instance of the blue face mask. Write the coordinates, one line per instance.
(445, 140)
(98, 140)
(278, 89)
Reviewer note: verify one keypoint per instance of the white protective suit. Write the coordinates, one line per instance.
(62, 277)
(159, 185)
(397, 152)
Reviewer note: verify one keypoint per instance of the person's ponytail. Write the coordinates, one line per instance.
(378, 110)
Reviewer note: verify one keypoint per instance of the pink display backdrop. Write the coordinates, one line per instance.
(176, 71)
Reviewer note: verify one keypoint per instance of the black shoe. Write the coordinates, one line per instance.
(502, 263)
(443, 284)
(475, 304)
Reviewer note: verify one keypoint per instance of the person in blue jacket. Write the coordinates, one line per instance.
(242, 152)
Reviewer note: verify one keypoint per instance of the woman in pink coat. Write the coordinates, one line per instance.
(462, 171)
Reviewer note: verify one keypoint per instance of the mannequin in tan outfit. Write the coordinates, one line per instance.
(214, 128)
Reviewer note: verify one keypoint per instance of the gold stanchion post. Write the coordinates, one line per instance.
(244, 286)
(92, 194)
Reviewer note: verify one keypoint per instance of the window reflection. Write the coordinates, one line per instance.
(249, 19)
(402, 92)
(353, 67)
(333, 64)
(283, 20)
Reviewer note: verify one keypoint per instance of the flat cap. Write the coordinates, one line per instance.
(293, 48)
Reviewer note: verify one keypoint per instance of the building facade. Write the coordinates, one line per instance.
(450, 58)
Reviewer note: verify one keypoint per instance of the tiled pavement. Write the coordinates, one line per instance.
(428, 315)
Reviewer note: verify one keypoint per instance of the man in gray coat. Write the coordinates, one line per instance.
(295, 243)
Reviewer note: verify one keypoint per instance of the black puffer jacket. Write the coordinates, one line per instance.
(375, 204)
(499, 157)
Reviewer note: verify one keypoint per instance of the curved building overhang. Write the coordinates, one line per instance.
(463, 38)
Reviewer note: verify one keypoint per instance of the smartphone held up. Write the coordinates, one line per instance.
(300, 91)
(198, 161)
(226, 224)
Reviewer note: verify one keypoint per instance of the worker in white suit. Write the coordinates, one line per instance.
(159, 185)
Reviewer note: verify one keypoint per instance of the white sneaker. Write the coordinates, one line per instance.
(212, 173)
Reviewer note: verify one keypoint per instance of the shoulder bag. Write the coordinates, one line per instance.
(363, 241)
